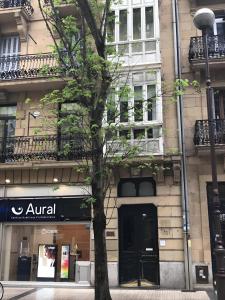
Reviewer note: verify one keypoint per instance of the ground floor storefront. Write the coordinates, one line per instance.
(47, 234)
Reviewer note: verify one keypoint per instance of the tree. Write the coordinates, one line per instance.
(80, 44)
(81, 48)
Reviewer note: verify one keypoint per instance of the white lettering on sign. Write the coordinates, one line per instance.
(35, 210)
(41, 210)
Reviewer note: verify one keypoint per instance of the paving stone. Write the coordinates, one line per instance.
(88, 294)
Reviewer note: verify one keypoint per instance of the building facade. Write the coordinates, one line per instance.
(45, 233)
(196, 129)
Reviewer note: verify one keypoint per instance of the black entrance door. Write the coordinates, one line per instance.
(211, 219)
(138, 246)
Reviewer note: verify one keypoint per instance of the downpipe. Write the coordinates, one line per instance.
(182, 150)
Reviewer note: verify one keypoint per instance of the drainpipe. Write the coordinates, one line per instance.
(184, 185)
(2, 238)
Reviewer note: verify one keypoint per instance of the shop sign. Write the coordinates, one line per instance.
(41, 210)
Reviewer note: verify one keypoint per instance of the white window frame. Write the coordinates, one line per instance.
(218, 20)
(129, 6)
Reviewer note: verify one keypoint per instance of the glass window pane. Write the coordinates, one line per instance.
(137, 47)
(221, 28)
(124, 111)
(7, 110)
(149, 22)
(123, 98)
(123, 49)
(128, 189)
(124, 134)
(150, 46)
(146, 188)
(123, 25)
(136, 23)
(111, 107)
(138, 104)
(139, 134)
(68, 107)
(150, 133)
(151, 100)
(111, 27)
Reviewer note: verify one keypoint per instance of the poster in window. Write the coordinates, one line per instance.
(65, 255)
(47, 255)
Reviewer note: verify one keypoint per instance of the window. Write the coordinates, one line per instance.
(136, 23)
(149, 22)
(132, 24)
(219, 27)
(123, 100)
(111, 107)
(151, 102)
(111, 27)
(136, 187)
(138, 103)
(7, 125)
(123, 25)
(139, 106)
(70, 120)
(219, 104)
(9, 46)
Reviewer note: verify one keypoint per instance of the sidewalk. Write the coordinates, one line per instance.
(12, 293)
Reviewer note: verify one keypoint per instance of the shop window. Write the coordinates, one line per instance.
(136, 187)
(47, 252)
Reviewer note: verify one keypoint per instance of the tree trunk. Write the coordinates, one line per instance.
(101, 270)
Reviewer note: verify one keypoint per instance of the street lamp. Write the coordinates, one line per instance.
(35, 115)
(204, 19)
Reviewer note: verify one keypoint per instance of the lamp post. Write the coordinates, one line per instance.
(204, 19)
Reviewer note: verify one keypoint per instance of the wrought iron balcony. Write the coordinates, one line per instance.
(30, 148)
(28, 66)
(216, 48)
(142, 146)
(201, 137)
(25, 4)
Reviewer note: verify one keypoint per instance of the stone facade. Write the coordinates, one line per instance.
(30, 177)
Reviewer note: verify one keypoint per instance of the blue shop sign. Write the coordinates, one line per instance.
(43, 210)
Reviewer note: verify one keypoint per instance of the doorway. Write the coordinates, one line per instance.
(138, 246)
(221, 186)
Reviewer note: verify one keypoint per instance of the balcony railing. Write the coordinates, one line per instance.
(28, 66)
(25, 4)
(201, 137)
(54, 147)
(216, 48)
(141, 146)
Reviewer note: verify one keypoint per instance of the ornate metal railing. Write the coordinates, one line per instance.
(25, 4)
(216, 47)
(142, 146)
(201, 137)
(47, 2)
(28, 66)
(52, 147)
